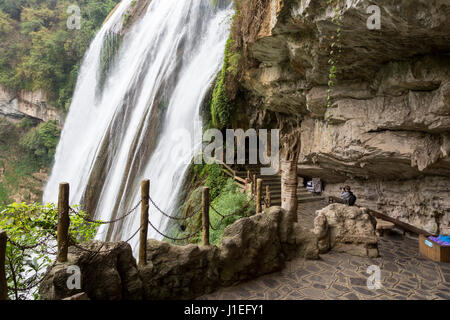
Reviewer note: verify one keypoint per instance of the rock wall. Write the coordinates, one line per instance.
(250, 247)
(16, 106)
(388, 130)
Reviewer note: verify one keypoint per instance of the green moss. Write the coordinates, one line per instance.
(225, 197)
(111, 46)
(41, 142)
(222, 107)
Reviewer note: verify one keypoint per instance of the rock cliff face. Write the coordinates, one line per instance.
(16, 106)
(387, 132)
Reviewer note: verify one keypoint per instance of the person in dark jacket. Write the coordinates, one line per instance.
(347, 196)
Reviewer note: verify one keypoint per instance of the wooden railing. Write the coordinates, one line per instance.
(400, 224)
(252, 184)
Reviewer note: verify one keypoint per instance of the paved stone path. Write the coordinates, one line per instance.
(405, 274)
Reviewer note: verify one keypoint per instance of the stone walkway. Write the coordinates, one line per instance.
(404, 274)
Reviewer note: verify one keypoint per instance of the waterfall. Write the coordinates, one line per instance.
(136, 102)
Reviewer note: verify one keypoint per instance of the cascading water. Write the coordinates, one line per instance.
(132, 104)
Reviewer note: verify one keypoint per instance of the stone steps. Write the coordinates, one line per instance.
(274, 182)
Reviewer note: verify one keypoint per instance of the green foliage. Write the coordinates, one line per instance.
(39, 51)
(215, 178)
(225, 196)
(34, 226)
(229, 201)
(221, 106)
(41, 142)
(217, 3)
(111, 45)
(5, 131)
(335, 49)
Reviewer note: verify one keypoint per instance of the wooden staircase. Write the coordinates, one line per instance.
(274, 182)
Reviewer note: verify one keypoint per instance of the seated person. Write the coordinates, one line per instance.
(347, 196)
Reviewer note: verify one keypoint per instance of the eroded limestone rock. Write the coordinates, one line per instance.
(390, 118)
(347, 229)
(179, 272)
(108, 275)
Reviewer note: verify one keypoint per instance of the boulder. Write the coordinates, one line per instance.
(179, 272)
(110, 274)
(261, 244)
(348, 229)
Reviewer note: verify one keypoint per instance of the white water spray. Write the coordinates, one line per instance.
(120, 132)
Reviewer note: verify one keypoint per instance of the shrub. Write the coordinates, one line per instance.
(230, 201)
(221, 106)
(29, 226)
(41, 142)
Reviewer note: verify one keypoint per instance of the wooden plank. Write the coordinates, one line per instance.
(228, 173)
(226, 167)
(63, 222)
(239, 179)
(399, 223)
(145, 197)
(205, 215)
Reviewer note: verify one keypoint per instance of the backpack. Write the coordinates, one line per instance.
(352, 200)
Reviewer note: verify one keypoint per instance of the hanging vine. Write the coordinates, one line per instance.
(334, 52)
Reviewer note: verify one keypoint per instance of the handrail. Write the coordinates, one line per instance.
(232, 174)
(398, 223)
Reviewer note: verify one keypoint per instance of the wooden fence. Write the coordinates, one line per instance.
(64, 209)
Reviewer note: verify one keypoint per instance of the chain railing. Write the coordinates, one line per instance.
(64, 239)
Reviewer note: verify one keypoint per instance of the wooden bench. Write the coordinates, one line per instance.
(382, 226)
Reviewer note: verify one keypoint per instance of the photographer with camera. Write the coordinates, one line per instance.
(347, 196)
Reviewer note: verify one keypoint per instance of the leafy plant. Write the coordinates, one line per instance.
(39, 52)
(41, 142)
(229, 201)
(335, 50)
(221, 106)
(32, 231)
